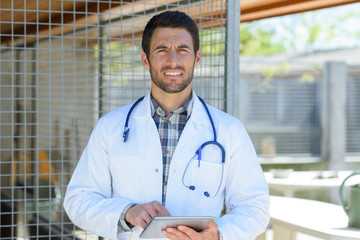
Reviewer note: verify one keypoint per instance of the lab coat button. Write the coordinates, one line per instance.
(156, 170)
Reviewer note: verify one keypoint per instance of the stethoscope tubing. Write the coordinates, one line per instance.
(126, 128)
(193, 187)
(198, 152)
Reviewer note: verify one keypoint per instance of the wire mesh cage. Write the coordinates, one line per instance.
(64, 64)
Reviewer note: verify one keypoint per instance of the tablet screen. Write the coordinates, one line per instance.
(153, 229)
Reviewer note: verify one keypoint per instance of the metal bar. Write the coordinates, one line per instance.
(232, 71)
(100, 66)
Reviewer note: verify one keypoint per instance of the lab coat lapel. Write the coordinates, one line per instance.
(148, 135)
(150, 151)
(193, 134)
(144, 108)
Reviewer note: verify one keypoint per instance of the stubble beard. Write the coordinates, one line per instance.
(173, 86)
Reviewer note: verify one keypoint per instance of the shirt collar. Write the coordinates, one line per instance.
(156, 108)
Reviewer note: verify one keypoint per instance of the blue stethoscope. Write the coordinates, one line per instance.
(198, 152)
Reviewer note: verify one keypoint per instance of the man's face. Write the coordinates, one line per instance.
(171, 59)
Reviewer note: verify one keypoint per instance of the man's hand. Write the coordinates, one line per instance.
(186, 233)
(141, 214)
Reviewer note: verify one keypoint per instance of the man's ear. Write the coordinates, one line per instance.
(197, 58)
(144, 60)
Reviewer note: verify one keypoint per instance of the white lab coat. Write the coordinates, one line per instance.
(111, 174)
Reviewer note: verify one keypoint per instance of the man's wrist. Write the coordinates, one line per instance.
(129, 224)
(123, 225)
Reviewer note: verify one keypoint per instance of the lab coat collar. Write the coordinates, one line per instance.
(144, 109)
(198, 114)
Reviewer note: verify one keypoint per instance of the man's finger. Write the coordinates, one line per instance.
(173, 233)
(146, 217)
(138, 215)
(142, 224)
(188, 231)
(151, 210)
(161, 210)
(141, 214)
(210, 232)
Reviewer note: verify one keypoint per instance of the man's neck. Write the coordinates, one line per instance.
(170, 102)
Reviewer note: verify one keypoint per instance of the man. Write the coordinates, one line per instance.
(163, 167)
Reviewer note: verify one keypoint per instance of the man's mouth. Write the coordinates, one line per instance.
(172, 74)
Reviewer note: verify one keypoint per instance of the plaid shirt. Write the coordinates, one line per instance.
(170, 128)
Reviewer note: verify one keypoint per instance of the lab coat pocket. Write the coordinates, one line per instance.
(125, 176)
(208, 179)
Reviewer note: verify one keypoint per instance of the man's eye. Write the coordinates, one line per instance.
(183, 50)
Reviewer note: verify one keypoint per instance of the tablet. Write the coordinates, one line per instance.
(153, 229)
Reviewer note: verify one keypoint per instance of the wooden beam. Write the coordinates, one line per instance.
(53, 22)
(209, 14)
(18, 19)
(88, 16)
(262, 9)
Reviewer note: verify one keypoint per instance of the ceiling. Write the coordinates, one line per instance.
(259, 9)
(27, 20)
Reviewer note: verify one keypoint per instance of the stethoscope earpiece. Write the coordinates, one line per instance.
(206, 194)
(192, 188)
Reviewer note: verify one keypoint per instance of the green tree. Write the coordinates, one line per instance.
(257, 41)
(324, 29)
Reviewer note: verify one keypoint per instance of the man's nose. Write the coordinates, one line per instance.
(173, 57)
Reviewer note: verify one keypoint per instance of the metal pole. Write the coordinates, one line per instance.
(100, 66)
(334, 114)
(232, 70)
(33, 131)
(100, 70)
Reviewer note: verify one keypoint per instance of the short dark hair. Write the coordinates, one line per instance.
(169, 19)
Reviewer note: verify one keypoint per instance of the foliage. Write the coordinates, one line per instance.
(304, 32)
(324, 29)
(117, 59)
(268, 73)
(309, 77)
(212, 42)
(278, 70)
(257, 41)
